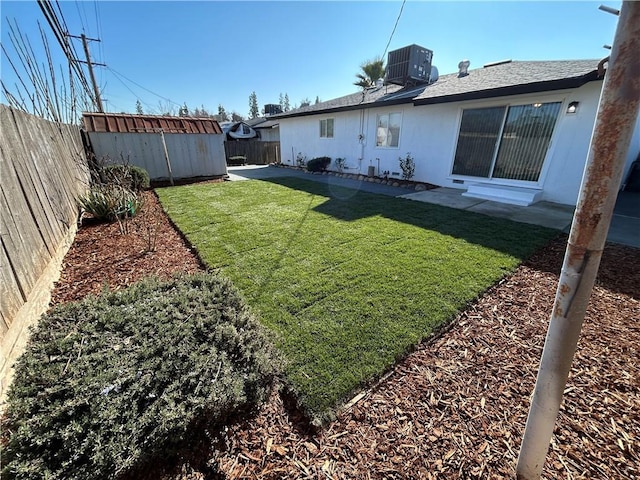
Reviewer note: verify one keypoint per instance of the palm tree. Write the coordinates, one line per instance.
(372, 70)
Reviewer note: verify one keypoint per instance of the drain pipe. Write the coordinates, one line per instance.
(617, 115)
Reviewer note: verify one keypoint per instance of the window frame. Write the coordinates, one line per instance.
(324, 132)
(532, 100)
(386, 131)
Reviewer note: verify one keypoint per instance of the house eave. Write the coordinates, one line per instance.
(348, 108)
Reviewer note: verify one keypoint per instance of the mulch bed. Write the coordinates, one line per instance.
(454, 408)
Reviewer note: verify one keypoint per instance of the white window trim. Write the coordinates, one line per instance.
(326, 120)
(375, 136)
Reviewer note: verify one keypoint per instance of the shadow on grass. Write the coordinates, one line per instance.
(348, 204)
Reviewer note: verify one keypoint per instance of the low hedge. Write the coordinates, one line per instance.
(128, 176)
(109, 384)
(319, 164)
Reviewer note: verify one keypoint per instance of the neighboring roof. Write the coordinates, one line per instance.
(494, 80)
(267, 124)
(129, 123)
(252, 122)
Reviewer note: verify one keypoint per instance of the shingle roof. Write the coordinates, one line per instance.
(129, 123)
(509, 78)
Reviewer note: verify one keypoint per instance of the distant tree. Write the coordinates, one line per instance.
(372, 70)
(317, 99)
(184, 111)
(236, 117)
(167, 109)
(281, 102)
(286, 106)
(254, 111)
(222, 113)
(305, 102)
(139, 110)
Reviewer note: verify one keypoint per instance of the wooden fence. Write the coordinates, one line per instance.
(254, 151)
(43, 170)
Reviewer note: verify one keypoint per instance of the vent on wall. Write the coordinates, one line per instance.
(409, 66)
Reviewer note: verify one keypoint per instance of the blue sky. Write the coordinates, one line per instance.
(210, 53)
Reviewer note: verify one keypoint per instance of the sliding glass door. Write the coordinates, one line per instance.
(505, 142)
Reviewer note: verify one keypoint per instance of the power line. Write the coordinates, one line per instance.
(144, 88)
(67, 49)
(149, 106)
(394, 29)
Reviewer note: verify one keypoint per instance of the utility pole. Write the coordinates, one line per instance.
(617, 115)
(96, 90)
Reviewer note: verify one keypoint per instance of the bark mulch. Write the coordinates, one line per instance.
(454, 408)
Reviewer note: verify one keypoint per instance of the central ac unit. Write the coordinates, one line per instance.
(409, 66)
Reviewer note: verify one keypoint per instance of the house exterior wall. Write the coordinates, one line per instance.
(430, 133)
(190, 154)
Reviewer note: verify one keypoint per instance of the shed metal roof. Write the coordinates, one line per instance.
(129, 123)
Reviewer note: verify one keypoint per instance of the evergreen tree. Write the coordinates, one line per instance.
(236, 117)
(317, 99)
(254, 111)
(184, 111)
(287, 106)
(305, 102)
(281, 102)
(222, 113)
(139, 110)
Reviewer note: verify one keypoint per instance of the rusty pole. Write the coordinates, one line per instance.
(616, 119)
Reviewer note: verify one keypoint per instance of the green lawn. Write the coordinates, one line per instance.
(350, 281)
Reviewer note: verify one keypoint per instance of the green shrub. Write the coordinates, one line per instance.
(109, 384)
(110, 202)
(130, 177)
(319, 164)
(408, 166)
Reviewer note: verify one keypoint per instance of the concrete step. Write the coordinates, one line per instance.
(504, 194)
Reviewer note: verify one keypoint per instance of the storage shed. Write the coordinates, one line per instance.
(167, 147)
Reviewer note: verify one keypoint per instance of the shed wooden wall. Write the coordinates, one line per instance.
(43, 169)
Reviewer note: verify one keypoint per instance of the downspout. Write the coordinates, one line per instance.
(615, 122)
(361, 138)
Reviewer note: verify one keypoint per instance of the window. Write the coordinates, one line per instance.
(505, 142)
(326, 128)
(388, 130)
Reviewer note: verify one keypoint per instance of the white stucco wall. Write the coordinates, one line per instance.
(430, 133)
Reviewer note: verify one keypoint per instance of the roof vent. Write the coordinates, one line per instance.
(463, 66)
(494, 64)
(409, 66)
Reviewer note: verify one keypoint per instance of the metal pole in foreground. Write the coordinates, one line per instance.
(617, 115)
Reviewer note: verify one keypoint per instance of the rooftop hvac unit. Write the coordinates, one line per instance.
(272, 109)
(409, 66)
